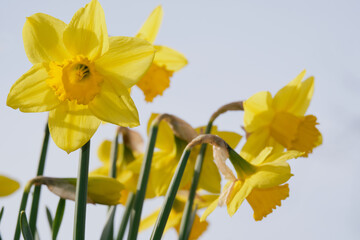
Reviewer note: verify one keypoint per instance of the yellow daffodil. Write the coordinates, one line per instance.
(101, 190)
(281, 122)
(80, 75)
(168, 154)
(259, 182)
(7, 186)
(176, 214)
(125, 156)
(166, 60)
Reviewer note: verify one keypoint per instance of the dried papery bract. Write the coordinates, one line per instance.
(181, 129)
(132, 139)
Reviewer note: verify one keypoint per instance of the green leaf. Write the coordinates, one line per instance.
(25, 229)
(49, 217)
(108, 230)
(37, 189)
(1, 213)
(58, 218)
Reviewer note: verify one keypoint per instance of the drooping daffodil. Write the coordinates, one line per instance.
(79, 74)
(166, 60)
(169, 149)
(280, 121)
(259, 182)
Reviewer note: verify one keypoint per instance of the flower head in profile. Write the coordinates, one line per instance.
(176, 213)
(170, 147)
(128, 151)
(280, 121)
(166, 60)
(101, 189)
(259, 182)
(79, 74)
(7, 186)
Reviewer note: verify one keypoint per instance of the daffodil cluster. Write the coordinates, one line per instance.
(82, 77)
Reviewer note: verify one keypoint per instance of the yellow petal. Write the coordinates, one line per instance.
(43, 39)
(30, 93)
(198, 228)
(270, 175)
(263, 201)
(257, 111)
(7, 186)
(285, 97)
(86, 33)
(104, 190)
(148, 221)
(260, 158)
(151, 27)
(230, 138)
(126, 61)
(72, 125)
(255, 143)
(171, 59)
(209, 210)
(210, 179)
(284, 156)
(114, 105)
(165, 136)
(303, 97)
(104, 151)
(154, 82)
(285, 128)
(239, 192)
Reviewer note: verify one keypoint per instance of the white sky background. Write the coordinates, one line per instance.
(235, 49)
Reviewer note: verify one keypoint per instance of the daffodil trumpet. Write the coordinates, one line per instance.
(175, 182)
(37, 189)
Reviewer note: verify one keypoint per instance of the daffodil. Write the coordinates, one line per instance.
(7, 186)
(79, 74)
(174, 220)
(101, 189)
(167, 156)
(166, 60)
(280, 121)
(125, 156)
(259, 182)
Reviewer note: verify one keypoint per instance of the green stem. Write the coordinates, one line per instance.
(142, 184)
(170, 197)
(184, 226)
(23, 203)
(108, 231)
(114, 155)
(125, 218)
(81, 193)
(37, 189)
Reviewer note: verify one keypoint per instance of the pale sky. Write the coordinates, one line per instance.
(235, 49)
